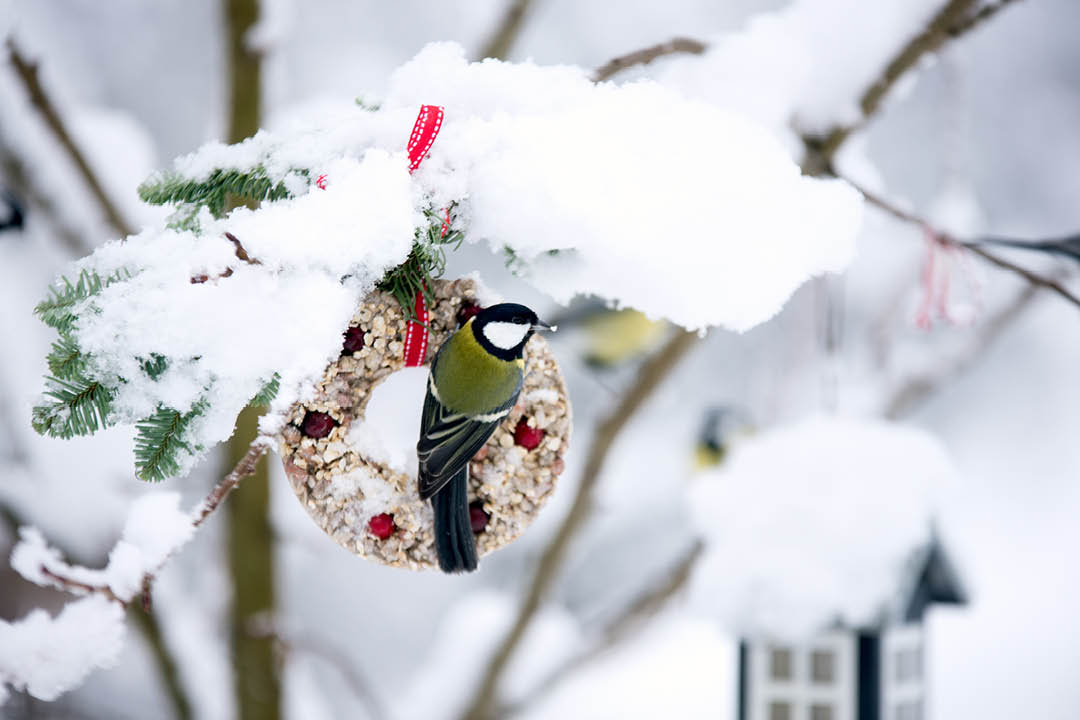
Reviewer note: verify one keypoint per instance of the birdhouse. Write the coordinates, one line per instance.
(876, 672)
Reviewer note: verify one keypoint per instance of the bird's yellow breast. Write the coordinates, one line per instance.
(471, 380)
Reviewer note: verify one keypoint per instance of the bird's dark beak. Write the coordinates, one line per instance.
(544, 326)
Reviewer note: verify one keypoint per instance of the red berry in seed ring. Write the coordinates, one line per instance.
(526, 436)
(382, 526)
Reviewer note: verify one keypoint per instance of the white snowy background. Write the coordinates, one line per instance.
(983, 139)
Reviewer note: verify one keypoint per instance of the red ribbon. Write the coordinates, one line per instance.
(425, 129)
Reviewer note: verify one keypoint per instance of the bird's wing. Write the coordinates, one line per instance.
(448, 440)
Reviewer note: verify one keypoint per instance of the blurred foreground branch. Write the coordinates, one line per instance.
(655, 370)
(620, 629)
(27, 73)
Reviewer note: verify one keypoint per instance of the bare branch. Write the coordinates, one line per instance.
(652, 373)
(979, 17)
(822, 150)
(621, 628)
(27, 72)
(972, 246)
(506, 33)
(647, 55)
(289, 642)
(918, 388)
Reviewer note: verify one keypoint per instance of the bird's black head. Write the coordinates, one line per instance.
(504, 329)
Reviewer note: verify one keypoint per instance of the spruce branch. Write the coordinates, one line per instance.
(213, 193)
(655, 370)
(65, 360)
(76, 406)
(269, 391)
(426, 262)
(58, 310)
(159, 440)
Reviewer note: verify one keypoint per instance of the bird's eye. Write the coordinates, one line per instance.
(519, 320)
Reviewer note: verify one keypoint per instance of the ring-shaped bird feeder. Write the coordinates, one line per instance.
(372, 508)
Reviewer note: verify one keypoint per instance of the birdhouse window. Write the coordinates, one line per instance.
(909, 710)
(780, 664)
(779, 710)
(821, 712)
(822, 664)
(908, 663)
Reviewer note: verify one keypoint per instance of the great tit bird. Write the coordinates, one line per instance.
(475, 380)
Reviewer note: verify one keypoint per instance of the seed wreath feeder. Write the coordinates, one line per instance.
(510, 479)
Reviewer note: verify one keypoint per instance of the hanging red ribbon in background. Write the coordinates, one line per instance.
(425, 130)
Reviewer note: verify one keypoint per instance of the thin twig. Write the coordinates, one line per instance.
(16, 174)
(646, 605)
(244, 468)
(822, 150)
(652, 373)
(972, 246)
(647, 55)
(507, 31)
(914, 391)
(979, 17)
(27, 72)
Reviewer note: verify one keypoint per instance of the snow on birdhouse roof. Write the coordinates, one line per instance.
(825, 522)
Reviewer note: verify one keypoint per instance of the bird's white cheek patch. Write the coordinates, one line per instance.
(505, 335)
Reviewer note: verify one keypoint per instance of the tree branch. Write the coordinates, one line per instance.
(822, 150)
(920, 386)
(972, 246)
(621, 628)
(647, 55)
(506, 33)
(977, 18)
(651, 374)
(27, 73)
(217, 494)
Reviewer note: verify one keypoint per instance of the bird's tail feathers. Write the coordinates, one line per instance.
(455, 544)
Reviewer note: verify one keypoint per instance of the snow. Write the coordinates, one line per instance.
(155, 528)
(832, 510)
(46, 656)
(803, 68)
(539, 160)
(391, 425)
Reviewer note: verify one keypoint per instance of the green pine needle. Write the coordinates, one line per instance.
(155, 366)
(426, 261)
(214, 192)
(159, 440)
(76, 406)
(65, 360)
(268, 392)
(58, 310)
